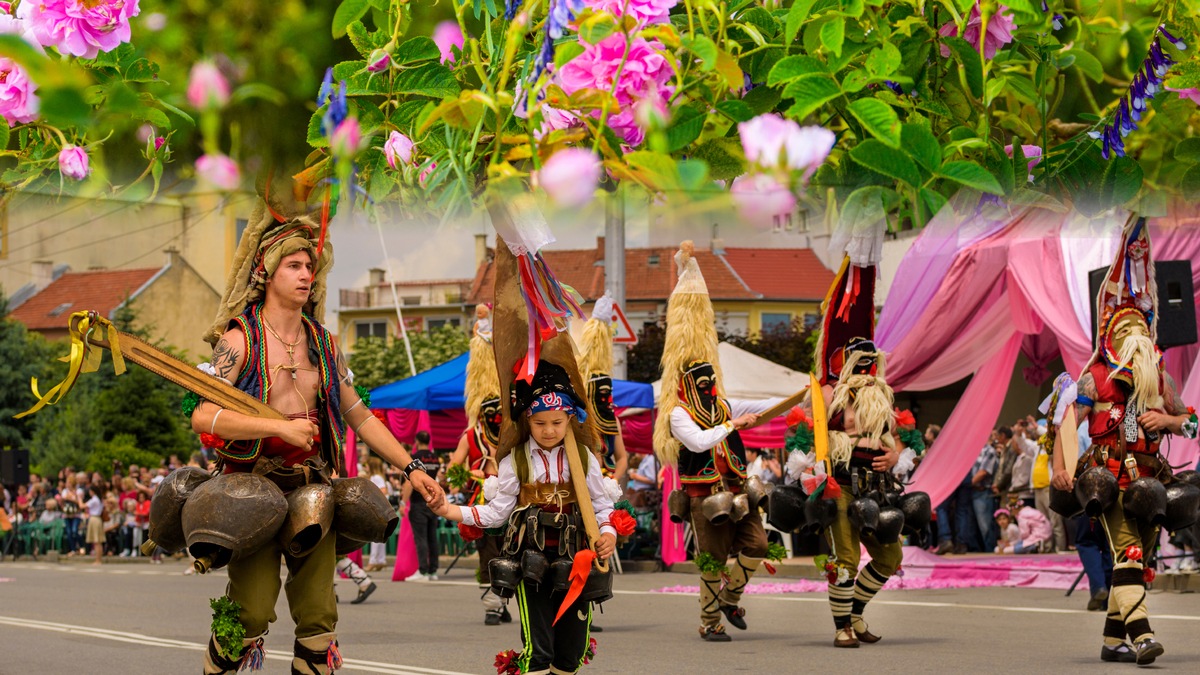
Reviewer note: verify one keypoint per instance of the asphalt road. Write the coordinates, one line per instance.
(136, 618)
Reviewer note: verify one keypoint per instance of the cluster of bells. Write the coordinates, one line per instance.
(1172, 507)
(533, 567)
(884, 514)
(220, 519)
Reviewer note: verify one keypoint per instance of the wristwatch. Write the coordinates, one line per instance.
(415, 465)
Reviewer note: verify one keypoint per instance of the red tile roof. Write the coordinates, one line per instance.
(102, 291)
(782, 273)
(737, 274)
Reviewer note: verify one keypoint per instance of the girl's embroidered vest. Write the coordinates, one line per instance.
(254, 379)
(727, 457)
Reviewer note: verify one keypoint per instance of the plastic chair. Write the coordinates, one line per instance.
(785, 536)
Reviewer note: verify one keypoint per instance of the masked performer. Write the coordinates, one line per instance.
(596, 362)
(548, 489)
(475, 459)
(1130, 403)
(697, 429)
(269, 342)
(869, 446)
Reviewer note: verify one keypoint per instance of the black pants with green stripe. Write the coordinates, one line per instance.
(547, 644)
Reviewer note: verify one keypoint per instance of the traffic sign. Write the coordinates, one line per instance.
(622, 332)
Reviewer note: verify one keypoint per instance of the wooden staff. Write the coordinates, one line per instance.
(582, 497)
(782, 408)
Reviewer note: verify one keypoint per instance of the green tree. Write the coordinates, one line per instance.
(24, 356)
(376, 363)
(122, 449)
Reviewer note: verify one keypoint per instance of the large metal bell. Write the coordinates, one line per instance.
(716, 508)
(1064, 502)
(1096, 489)
(1146, 500)
(231, 516)
(506, 575)
(678, 505)
(755, 491)
(890, 524)
(741, 508)
(864, 514)
(918, 511)
(785, 508)
(361, 512)
(310, 515)
(818, 515)
(1183, 501)
(599, 586)
(166, 509)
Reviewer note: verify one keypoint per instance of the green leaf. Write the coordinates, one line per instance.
(349, 10)
(761, 99)
(855, 81)
(154, 116)
(686, 125)
(883, 61)
(971, 175)
(64, 106)
(597, 27)
(809, 94)
(933, 200)
(794, 67)
(258, 90)
(833, 33)
(1188, 151)
(890, 162)
(1189, 185)
(416, 49)
(693, 173)
(315, 138)
(796, 16)
(919, 143)
(177, 112)
(566, 52)
(723, 156)
(739, 111)
(1121, 181)
(863, 208)
(365, 41)
(142, 70)
(972, 65)
(704, 49)
(878, 118)
(4, 133)
(431, 79)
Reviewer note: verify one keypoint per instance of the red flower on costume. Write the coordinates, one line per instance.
(469, 533)
(1148, 575)
(623, 523)
(1133, 553)
(506, 663)
(591, 651)
(212, 441)
(796, 417)
(904, 418)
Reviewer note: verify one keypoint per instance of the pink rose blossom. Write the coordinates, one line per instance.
(447, 34)
(207, 87)
(6, 7)
(378, 61)
(425, 173)
(346, 139)
(73, 162)
(1192, 93)
(807, 148)
(219, 170)
(82, 28)
(159, 141)
(398, 149)
(772, 142)
(11, 25)
(18, 104)
(570, 177)
(646, 70)
(1033, 153)
(760, 197)
(999, 31)
(644, 11)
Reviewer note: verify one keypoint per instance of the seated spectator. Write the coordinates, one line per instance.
(1033, 531)
(643, 483)
(1009, 533)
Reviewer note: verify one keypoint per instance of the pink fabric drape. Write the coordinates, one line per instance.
(673, 549)
(406, 550)
(1040, 349)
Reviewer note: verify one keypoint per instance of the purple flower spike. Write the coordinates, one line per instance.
(1179, 44)
(1057, 21)
(1104, 150)
(1045, 7)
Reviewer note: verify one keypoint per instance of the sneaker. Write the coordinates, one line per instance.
(1122, 653)
(125, 553)
(736, 616)
(1099, 601)
(945, 547)
(363, 594)
(505, 617)
(491, 617)
(1148, 650)
(960, 549)
(714, 634)
(1188, 566)
(417, 576)
(433, 577)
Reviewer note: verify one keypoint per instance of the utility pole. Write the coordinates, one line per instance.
(614, 266)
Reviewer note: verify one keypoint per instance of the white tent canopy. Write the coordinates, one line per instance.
(748, 376)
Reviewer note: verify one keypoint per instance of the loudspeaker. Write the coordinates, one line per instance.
(14, 466)
(1176, 302)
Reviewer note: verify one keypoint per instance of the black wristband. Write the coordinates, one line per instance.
(415, 465)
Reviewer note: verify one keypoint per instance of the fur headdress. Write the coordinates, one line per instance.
(483, 382)
(691, 335)
(595, 344)
(269, 237)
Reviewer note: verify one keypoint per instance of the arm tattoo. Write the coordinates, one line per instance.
(1086, 387)
(1171, 400)
(224, 359)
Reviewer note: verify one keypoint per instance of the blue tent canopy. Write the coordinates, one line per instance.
(441, 388)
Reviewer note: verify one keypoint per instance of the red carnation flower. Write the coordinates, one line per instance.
(904, 418)
(469, 533)
(1133, 553)
(212, 441)
(795, 417)
(623, 523)
(1148, 575)
(506, 663)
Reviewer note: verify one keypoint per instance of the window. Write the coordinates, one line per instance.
(436, 324)
(410, 300)
(775, 320)
(652, 260)
(366, 329)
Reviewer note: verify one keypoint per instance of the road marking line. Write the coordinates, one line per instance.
(151, 641)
